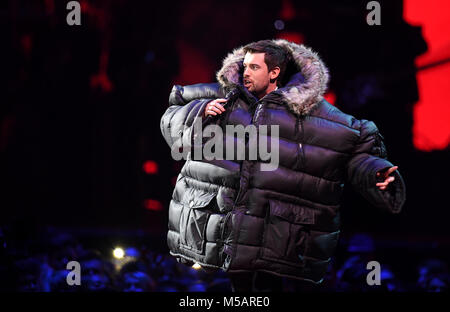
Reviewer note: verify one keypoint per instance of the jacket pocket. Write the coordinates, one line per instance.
(197, 208)
(287, 233)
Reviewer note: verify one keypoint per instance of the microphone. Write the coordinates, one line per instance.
(231, 96)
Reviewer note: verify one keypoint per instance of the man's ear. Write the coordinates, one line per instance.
(274, 73)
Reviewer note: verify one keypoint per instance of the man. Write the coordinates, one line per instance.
(262, 225)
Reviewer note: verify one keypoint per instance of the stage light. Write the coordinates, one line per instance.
(431, 130)
(118, 253)
(279, 25)
(330, 97)
(150, 167)
(196, 266)
(154, 205)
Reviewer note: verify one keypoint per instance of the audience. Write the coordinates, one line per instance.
(42, 268)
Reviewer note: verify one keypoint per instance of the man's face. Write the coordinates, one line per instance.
(256, 74)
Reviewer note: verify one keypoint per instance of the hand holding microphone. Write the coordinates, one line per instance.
(214, 107)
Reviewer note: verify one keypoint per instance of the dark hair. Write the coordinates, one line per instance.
(274, 56)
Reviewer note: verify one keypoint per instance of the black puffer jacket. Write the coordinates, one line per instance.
(233, 215)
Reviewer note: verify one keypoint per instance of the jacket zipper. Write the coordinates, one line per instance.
(299, 157)
(257, 110)
(302, 150)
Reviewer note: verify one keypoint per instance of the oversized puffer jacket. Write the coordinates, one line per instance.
(232, 215)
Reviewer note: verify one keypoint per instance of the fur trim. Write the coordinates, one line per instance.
(303, 90)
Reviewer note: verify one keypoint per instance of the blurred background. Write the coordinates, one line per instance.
(84, 168)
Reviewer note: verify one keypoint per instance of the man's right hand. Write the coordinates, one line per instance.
(213, 108)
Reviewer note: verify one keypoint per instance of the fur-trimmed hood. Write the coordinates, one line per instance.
(303, 90)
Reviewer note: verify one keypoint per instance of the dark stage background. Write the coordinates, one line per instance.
(81, 148)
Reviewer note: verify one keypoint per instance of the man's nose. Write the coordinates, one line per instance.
(246, 73)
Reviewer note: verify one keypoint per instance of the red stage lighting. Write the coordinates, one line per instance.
(150, 167)
(431, 130)
(154, 205)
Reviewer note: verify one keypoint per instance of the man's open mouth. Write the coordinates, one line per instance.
(247, 82)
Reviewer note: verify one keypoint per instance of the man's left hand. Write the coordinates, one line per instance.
(387, 179)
